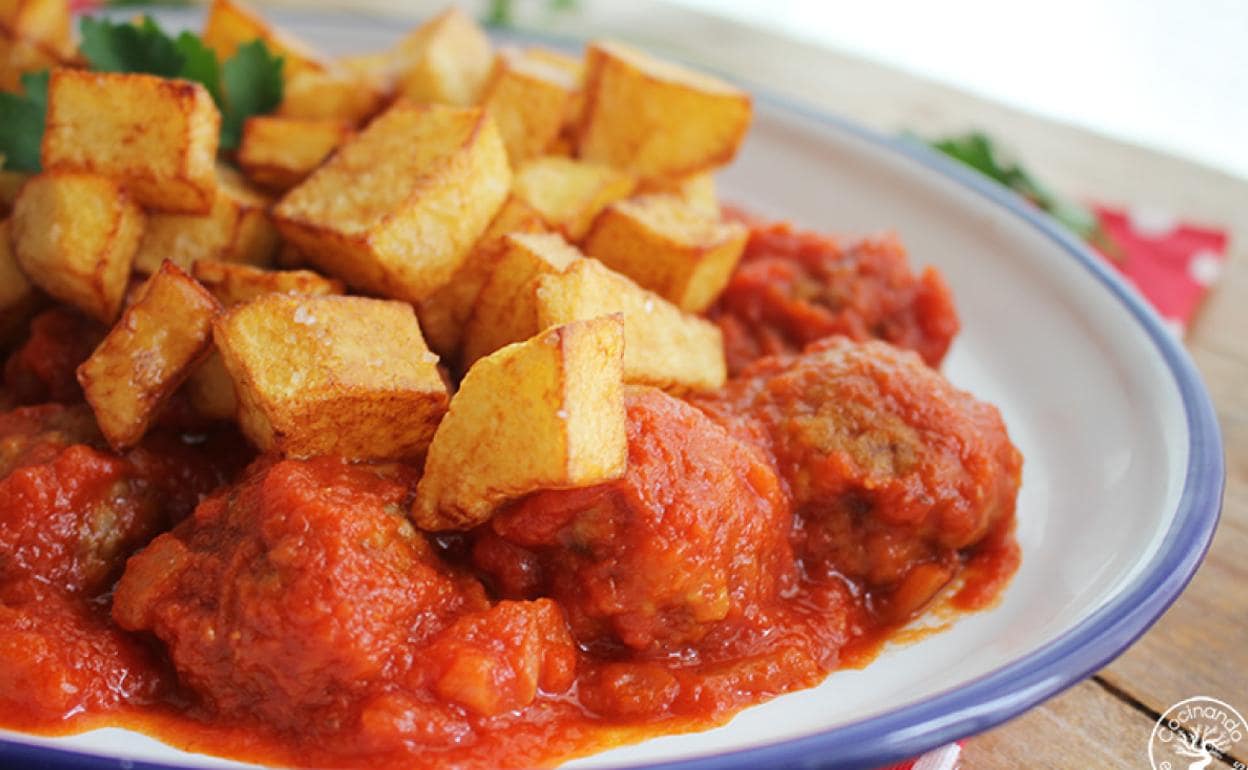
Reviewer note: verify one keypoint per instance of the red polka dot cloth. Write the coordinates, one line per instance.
(1173, 264)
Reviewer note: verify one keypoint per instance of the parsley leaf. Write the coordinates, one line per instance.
(21, 130)
(199, 63)
(253, 86)
(248, 83)
(978, 151)
(125, 47)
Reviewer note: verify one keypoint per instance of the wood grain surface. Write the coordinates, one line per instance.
(1200, 647)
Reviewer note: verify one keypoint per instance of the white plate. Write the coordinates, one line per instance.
(1121, 484)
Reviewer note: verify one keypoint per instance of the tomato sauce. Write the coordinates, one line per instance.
(794, 287)
(289, 613)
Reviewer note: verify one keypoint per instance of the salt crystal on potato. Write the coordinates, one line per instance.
(347, 376)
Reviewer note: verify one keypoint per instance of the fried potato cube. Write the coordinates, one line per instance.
(506, 309)
(148, 354)
(210, 389)
(697, 190)
(529, 100)
(332, 94)
(230, 24)
(75, 236)
(18, 297)
(669, 247)
(446, 60)
(574, 68)
(44, 23)
(545, 413)
(10, 183)
(663, 346)
(236, 229)
(378, 68)
(19, 56)
(94, 119)
(444, 313)
(570, 193)
(233, 284)
(279, 152)
(397, 208)
(347, 376)
(656, 119)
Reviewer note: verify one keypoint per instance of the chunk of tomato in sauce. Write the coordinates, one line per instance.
(793, 288)
(43, 368)
(62, 657)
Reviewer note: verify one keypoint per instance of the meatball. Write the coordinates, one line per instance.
(62, 656)
(71, 511)
(695, 533)
(793, 288)
(283, 597)
(891, 469)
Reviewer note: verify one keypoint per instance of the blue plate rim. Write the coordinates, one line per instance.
(1010, 690)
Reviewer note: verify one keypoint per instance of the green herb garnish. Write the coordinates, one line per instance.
(248, 83)
(21, 126)
(977, 150)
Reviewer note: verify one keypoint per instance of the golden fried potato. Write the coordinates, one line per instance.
(233, 284)
(397, 208)
(332, 94)
(529, 100)
(656, 119)
(75, 236)
(148, 354)
(156, 137)
(663, 346)
(569, 194)
(347, 376)
(236, 229)
(444, 313)
(574, 68)
(210, 389)
(540, 414)
(10, 183)
(231, 24)
(19, 56)
(697, 190)
(670, 247)
(378, 68)
(44, 24)
(446, 60)
(278, 153)
(18, 297)
(506, 308)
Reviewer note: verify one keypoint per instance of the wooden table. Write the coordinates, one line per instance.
(1200, 647)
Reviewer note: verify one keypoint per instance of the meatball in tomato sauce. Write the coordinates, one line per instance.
(693, 534)
(287, 596)
(71, 511)
(892, 470)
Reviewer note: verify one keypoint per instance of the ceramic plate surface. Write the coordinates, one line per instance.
(1122, 480)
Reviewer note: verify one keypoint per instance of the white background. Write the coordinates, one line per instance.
(1168, 74)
